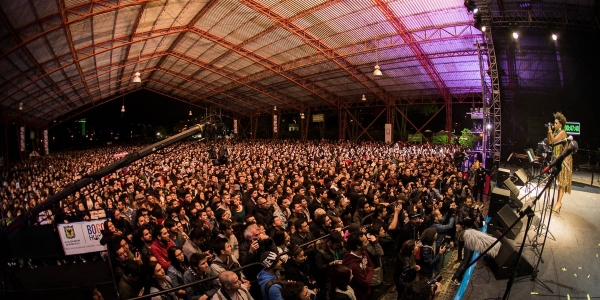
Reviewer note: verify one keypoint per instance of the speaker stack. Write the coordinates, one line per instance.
(498, 199)
(503, 174)
(506, 260)
(522, 177)
(514, 201)
(502, 220)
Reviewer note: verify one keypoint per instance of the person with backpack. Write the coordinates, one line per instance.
(270, 285)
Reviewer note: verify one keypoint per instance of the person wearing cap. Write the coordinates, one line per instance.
(270, 286)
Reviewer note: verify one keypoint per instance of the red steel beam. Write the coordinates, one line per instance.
(27, 52)
(128, 47)
(207, 85)
(272, 28)
(462, 30)
(190, 24)
(263, 61)
(96, 74)
(314, 42)
(414, 46)
(78, 13)
(67, 31)
(275, 95)
(171, 87)
(227, 108)
(139, 37)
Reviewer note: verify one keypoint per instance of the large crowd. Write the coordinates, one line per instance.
(320, 220)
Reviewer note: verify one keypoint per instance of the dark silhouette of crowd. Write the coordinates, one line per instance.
(182, 216)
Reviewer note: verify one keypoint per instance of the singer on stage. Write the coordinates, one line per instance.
(556, 134)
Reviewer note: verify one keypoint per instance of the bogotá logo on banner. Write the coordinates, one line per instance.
(69, 232)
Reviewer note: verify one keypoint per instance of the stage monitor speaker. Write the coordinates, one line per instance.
(502, 220)
(514, 194)
(499, 198)
(506, 260)
(522, 177)
(503, 174)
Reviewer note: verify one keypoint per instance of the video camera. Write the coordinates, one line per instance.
(432, 281)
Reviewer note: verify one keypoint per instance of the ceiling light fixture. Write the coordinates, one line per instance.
(136, 78)
(377, 71)
(483, 28)
(554, 37)
(275, 107)
(123, 105)
(302, 116)
(364, 98)
(515, 35)
(190, 107)
(21, 106)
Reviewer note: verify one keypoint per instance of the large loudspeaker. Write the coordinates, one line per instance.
(503, 174)
(522, 177)
(502, 220)
(498, 199)
(514, 194)
(506, 260)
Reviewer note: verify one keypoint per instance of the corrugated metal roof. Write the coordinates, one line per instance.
(306, 51)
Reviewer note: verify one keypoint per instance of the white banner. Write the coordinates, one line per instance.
(275, 124)
(235, 126)
(388, 133)
(81, 237)
(22, 138)
(46, 149)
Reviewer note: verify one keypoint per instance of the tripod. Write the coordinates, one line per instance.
(528, 211)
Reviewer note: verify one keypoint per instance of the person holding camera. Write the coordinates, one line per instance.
(443, 223)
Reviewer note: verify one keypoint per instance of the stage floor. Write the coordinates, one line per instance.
(571, 263)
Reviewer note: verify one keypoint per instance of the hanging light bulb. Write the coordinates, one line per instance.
(190, 112)
(483, 28)
(136, 78)
(275, 108)
(21, 106)
(302, 116)
(123, 105)
(364, 98)
(377, 71)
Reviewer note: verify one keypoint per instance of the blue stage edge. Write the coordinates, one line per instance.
(467, 277)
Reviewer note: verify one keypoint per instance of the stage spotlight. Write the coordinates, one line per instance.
(554, 37)
(483, 28)
(476, 10)
(515, 35)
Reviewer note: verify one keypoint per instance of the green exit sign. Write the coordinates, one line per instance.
(573, 128)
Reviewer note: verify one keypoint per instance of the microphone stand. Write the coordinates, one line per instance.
(528, 211)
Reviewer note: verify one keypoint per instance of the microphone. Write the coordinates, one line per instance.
(478, 241)
(572, 148)
(567, 139)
